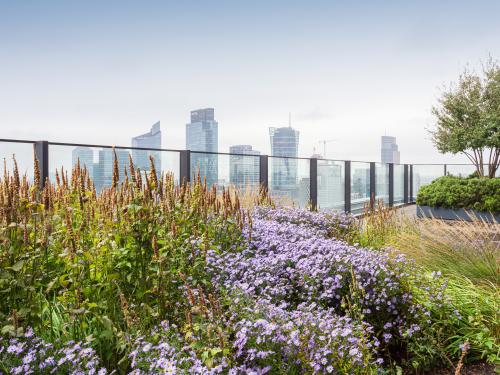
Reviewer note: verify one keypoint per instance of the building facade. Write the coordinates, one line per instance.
(86, 157)
(284, 171)
(151, 139)
(244, 170)
(202, 136)
(103, 169)
(389, 150)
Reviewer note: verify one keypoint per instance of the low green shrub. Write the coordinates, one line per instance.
(482, 194)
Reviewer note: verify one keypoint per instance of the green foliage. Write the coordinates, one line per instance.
(106, 269)
(480, 194)
(467, 254)
(77, 265)
(378, 224)
(468, 118)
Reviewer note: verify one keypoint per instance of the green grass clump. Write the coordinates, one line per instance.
(467, 253)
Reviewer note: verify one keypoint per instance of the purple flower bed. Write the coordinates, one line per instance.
(291, 262)
(29, 354)
(300, 301)
(295, 299)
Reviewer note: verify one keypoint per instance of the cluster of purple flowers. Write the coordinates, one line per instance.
(165, 351)
(307, 339)
(291, 262)
(29, 354)
(302, 301)
(327, 223)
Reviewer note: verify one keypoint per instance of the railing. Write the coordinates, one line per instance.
(320, 183)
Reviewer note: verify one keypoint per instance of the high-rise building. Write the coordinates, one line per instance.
(244, 170)
(284, 145)
(103, 169)
(202, 136)
(151, 139)
(86, 157)
(389, 151)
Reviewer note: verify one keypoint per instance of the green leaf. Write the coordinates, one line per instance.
(18, 266)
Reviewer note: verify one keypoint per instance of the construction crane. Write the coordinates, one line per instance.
(324, 142)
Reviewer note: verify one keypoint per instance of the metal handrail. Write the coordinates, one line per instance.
(41, 149)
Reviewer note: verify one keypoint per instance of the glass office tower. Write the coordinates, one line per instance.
(202, 136)
(103, 169)
(86, 157)
(244, 170)
(151, 139)
(389, 152)
(284, 143)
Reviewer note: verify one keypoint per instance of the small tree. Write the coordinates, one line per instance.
(468, 119)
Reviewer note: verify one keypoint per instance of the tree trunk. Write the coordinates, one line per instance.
(494, 163)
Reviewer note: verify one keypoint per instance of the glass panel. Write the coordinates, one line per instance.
(331, 185)
(244, 172)
(99, 162)
(289, 180)
(360, 186)
(207, 166)
(239, 171)
(399, 180)
(382, 182)
(461, 170)
(24, 155)
(424, 175)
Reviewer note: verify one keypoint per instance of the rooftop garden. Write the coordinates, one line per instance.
(149, 278)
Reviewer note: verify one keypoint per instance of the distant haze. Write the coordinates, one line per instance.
(105, 71)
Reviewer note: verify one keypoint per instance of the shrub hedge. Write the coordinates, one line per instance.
(481, 194)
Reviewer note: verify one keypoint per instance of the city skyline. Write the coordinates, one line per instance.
(346, 71)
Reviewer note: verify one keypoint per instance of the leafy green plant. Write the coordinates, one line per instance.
(481, 194)
(81, 266)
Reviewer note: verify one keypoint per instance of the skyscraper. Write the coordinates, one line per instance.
(389, 152)
(151, 139)
(103, 169)
(86, 157)
(244, 170)
(284, 143)
(202, 136)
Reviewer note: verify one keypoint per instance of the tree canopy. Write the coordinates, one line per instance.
(468, 118)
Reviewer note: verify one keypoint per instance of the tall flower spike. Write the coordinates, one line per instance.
(152, 168)
(17, 181)
(116, 172)
(36, 167)
(131, 168)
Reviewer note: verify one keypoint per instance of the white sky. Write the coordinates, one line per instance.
(103, 73)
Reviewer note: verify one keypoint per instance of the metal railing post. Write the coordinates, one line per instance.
(405, 184)
(373, 193)
(313, 183)
(391, 184)
(185, 167)
(411, 183)
(41, 149)
(347, 186)
(445, 172)
(264, 172)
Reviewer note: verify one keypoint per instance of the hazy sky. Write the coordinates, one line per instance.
(104, 71)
